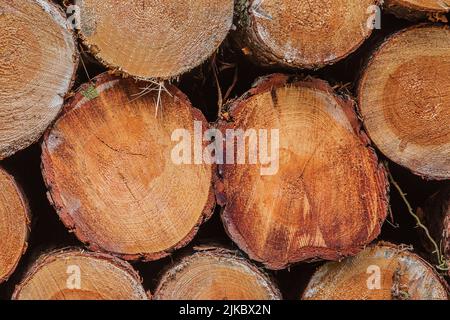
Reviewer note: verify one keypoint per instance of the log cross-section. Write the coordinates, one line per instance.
(404, 100)
(38, 60)
(154, 38)
(14, 225)
(303, 34)
(214, 273)
(380, 272)
(75, 274)
(107, 162)
(328, 196)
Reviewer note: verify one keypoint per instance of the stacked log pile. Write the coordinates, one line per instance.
(279, 132)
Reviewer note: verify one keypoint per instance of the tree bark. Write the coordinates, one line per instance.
(108, 166)
(328, 197)
(403, 101)
(14, 225)
(38, 60)
(154, 39)
(417, 9)
(214, 273)
(380, 272)
(435, 214)
(302, 34)
(76, 274)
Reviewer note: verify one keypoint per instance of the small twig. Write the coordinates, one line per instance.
(84, 65)
(221, 99)
(442, 263)
(154, 85)
(215, 72)
(233, 84)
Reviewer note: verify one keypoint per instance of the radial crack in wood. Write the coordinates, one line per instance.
(327, 195)
(107, 162)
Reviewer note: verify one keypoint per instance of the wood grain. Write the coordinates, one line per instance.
(14, 225)
(154, 38)
(107, 163)
(301, 34)
(404, 102)
(403, 276)
(101, 277)
(38, 60)
(215, 273)
(329, 196)
(418, 9)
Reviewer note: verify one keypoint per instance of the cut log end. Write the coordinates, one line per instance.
(381, 272)
(14, 225)
(38, 60)
(108, 164)
(403, 100)
(75, 274)
(215, 274)
(173, 36)
(327, 195)
(417, 9)
(286, 32)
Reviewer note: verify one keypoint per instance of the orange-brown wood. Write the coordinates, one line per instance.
(418, 9)
(214, 273)
(329, 197)
(75, 274)
(404, 102)
(107, 163)
(381, 272)
(38, 59)
(14, 225)
(153, 38)
(302, 34)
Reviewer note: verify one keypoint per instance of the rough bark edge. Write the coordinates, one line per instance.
(52, 10)
(54, 193)
(310, 254)
(119, 71)
(362, 79)
(436, 216)
(245, 36)
(413, 12)
(399, 250)
(27, 216)
(51, 256)
(217, 251)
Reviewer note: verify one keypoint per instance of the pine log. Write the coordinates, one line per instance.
(108, 167)
(404, 102)
(214, 273)
(302, 34)
(75, 274)
(380, 272)
(14, 225)
(38, 60)
(151, 38)
(417, 9)
(328, 197)
(435, 214)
